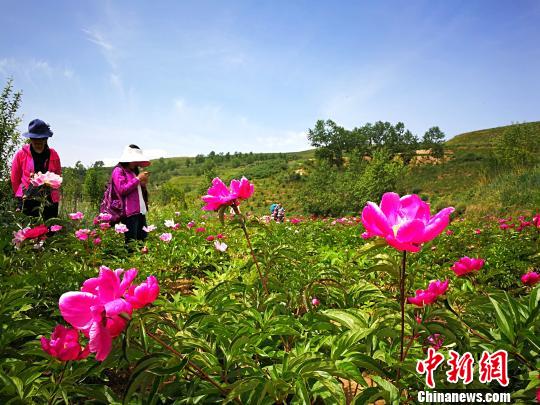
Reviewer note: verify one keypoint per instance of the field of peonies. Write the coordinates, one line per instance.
(217, 307)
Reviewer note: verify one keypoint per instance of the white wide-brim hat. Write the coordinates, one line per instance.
(134, 155)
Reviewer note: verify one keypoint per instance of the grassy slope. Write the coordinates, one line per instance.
(471, 181)
(468, 181)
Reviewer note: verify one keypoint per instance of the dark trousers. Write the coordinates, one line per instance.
(135, 225)
(31, 208)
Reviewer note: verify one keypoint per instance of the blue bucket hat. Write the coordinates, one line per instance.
(38, 129)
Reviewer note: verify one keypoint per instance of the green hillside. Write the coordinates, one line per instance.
(473, 180)
(484, 138)
(469, 178)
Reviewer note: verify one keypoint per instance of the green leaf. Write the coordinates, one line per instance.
(139, 373)
(504, 320)
(391, 389)
(350, 318)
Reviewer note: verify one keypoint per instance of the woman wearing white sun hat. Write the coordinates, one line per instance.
(130, 185)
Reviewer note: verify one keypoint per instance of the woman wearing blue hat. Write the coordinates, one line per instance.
(35, 157)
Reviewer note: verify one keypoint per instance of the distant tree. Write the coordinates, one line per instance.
(199, 158)
(94, 184)
(188, 162)
(518, 145)
(73, 186)
(434, 139)
(10, 139)
(331, 141)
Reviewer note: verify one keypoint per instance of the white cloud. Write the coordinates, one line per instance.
(287, 139)
(68, 73)
(98, 38)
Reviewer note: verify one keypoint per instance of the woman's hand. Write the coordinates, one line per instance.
(143, 177)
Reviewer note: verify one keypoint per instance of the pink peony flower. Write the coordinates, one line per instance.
(315, 302)
(144, 250)
(121, 228)
(190, 224)
(404, 222)
(430, 295)
(436, 341)
(143, 294)
(49, 179)
(104, 226)
(104, 216)
(220, 236)
(166, 237)
(422, 297)
(56, 228)
(18, 237)
(36, 232)
(466, 265)
(242, 188)
(98, 310)
(536, 220)
(82, 234)
(295, 221)
(219, 194)
(149, 228)
(97, 241)
(438, 287)
(221, 246)
(210, 238)
(77, 216)
(478, 231)
(531, 278)
(449, 232)
(64, 344)
(504, 226)
(200, 229)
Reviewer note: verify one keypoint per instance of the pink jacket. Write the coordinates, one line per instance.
(22, 169)
(125, 183)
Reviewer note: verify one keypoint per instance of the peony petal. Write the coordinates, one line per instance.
(129, 276)
(100, 341)
(75, 307)
(411, 231)
(390, 206)
(118, 306)
(409, 247)
(410, 204)
(434, 228)
(375, 221)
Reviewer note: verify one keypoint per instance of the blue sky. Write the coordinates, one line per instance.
(185, 77)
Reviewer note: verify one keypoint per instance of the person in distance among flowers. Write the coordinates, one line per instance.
(130, 183)
(36, 156)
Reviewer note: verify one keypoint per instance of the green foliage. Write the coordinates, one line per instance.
(331, 141)
(434, 139)
(336, 192)
(214, 335)
(380, 176)
(73, 186)
(518, 146)
(9, 136)
(94, 184)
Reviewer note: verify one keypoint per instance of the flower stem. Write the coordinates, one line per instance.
(402, 276)
(244, 228)
(402, 302)
(193, 366)
(60, 378)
